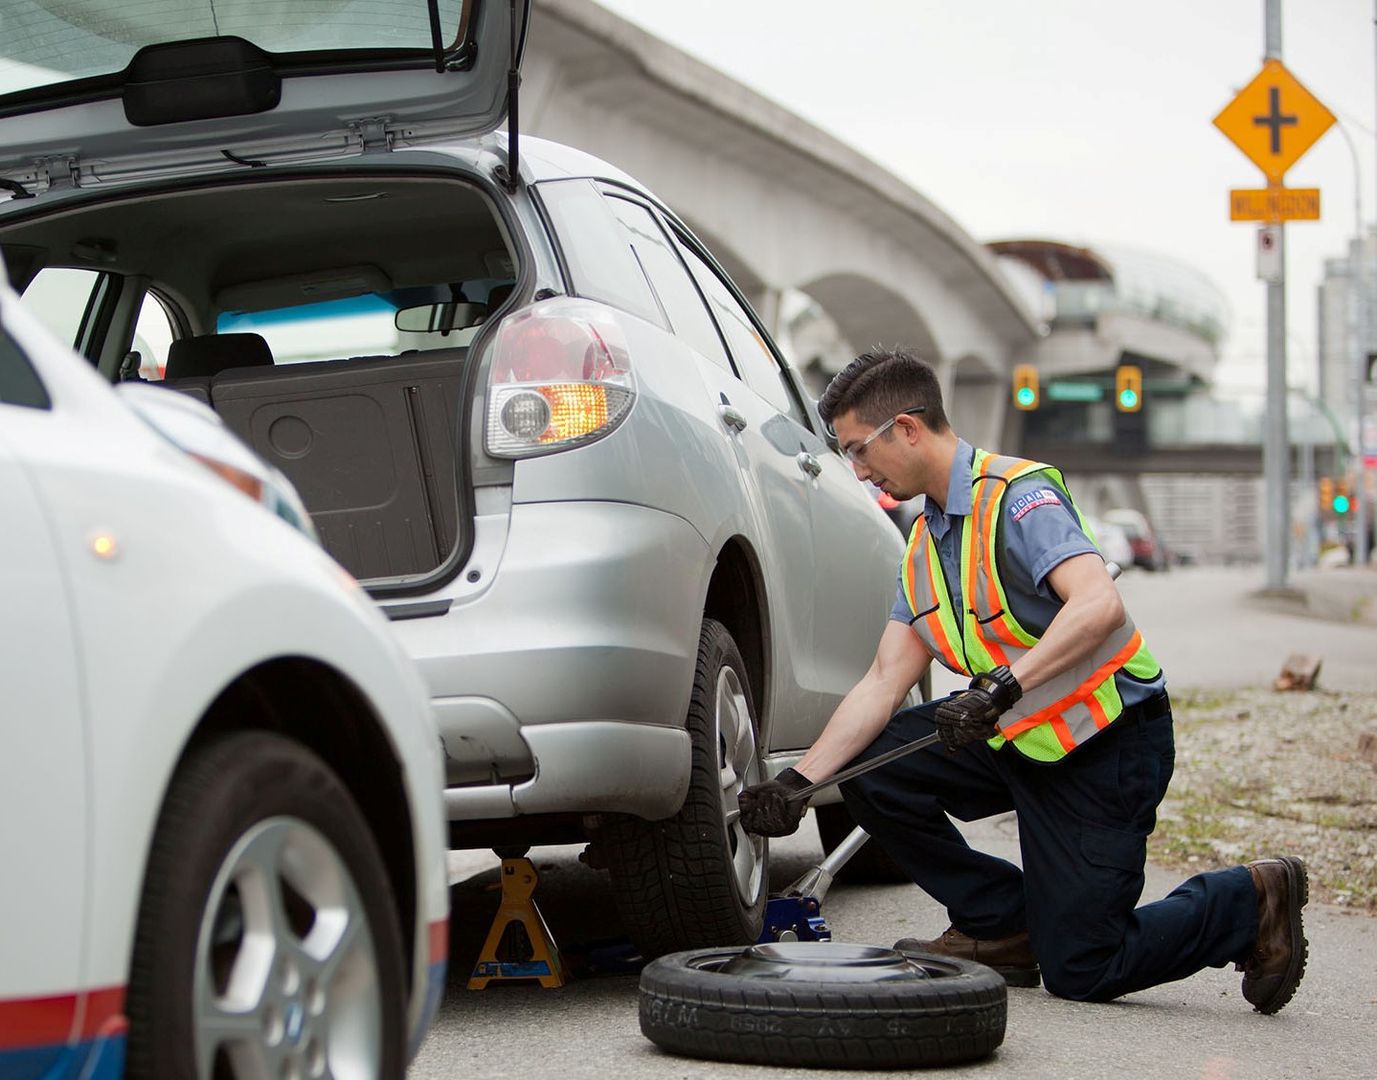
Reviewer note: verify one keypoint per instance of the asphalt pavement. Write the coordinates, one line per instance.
(1209, 630)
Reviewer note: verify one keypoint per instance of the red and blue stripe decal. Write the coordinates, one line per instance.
(437, 953)
(64, 1035)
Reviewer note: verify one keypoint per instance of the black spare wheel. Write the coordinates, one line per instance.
(823, 1004)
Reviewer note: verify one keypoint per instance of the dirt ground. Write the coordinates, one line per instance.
(1262, 773)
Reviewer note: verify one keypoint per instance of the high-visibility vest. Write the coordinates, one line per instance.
(1051, 720)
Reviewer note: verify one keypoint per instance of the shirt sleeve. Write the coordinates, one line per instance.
(901, 612)
(1041, 531)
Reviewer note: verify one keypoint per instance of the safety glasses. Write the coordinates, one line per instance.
(856, 453)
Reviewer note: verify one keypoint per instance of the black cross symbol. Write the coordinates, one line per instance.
(1274, 118)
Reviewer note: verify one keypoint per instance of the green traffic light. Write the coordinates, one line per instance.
(1340, 504)
(1128, 398)
(1026, 395)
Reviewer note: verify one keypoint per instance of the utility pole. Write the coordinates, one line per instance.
(1356, 320)
(1276, 457)
(1362, 510)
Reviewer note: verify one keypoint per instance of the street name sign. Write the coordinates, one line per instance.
(1274, 205)
(1274, 120)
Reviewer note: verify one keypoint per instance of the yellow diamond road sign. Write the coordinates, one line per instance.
(1274, 120)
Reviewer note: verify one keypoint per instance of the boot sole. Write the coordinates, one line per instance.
(1298, 886)
(1026, 977)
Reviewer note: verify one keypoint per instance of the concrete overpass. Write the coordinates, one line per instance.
(782, 204)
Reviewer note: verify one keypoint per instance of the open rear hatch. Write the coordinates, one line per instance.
(116, 89)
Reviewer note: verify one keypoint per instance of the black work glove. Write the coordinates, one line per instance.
(969, 716)
(765, 809)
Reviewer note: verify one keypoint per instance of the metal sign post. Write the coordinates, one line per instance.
(1274, 120)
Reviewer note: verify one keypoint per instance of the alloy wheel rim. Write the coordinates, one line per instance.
(738, 767)
(286, 984)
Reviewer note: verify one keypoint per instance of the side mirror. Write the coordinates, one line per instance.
(440, 318)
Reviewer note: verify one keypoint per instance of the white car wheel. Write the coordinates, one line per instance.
(268, 942)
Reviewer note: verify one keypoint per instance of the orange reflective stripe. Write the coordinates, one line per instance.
(1081, 693)
(1097, 712)
(934, 620)
(993, 603)
(915, 538)
(1063, 734)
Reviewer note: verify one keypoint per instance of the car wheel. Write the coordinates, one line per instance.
(694, 879)
(871, 865)
(823, 1004)
(268, 941)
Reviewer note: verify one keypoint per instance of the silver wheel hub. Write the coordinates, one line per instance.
(285, 984)
(738, 767)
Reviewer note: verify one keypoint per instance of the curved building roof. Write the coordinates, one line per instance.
(1086, 281)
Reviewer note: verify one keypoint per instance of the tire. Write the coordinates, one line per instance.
(871, 865)
(267, 933)
(823, 1004)
(692, 880)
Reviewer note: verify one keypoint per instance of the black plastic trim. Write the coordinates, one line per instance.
(421, 609)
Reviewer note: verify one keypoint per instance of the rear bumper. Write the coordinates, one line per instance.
(562, 686)
(588, 766)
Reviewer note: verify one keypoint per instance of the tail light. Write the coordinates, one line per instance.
(560, 378)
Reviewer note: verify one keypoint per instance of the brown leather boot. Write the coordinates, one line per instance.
(1011, 956)
(1273, 969)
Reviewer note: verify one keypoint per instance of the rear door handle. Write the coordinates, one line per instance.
(808, 463)
(732, 417)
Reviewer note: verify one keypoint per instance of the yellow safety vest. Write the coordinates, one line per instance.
(1051, 720)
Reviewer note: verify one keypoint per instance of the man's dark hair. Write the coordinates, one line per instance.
(882, 383)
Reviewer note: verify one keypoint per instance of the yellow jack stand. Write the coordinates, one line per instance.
(519, 934)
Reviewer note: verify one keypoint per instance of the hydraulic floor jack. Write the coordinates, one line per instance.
(796, 914)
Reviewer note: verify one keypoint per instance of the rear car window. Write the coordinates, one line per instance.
(672, 284)
(755, 360)
(44, 44)
(19, 383)
(600, 262)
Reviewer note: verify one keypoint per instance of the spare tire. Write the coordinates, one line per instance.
(823, 1004)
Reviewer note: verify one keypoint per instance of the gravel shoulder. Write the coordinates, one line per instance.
(1262, 773)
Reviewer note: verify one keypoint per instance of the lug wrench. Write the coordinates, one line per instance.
(853, 771)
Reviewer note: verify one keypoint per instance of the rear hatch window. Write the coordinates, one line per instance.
(45, 44)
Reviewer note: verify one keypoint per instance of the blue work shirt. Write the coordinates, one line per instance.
(1040, 531)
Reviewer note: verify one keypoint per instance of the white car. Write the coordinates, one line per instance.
(223, 839)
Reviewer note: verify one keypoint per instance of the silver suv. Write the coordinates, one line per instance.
(522, 402)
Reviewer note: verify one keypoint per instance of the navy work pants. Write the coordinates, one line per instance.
(1083, 824)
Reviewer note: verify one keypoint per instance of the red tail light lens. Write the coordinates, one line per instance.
(560, 377)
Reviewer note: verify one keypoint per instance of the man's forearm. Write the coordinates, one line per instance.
(860, 717)
(1077, 631)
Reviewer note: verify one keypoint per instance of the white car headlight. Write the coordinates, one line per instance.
(198, 432)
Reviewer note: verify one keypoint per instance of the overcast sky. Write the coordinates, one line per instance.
(1076, 120)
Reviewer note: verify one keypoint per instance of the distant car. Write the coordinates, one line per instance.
(1148, 551)
(223, 842)
(523, 402)
(1113, 542)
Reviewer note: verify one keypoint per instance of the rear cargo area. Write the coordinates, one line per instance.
(281, 303)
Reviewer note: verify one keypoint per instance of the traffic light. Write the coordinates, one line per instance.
(1025, 387)
(1128, 388)
(1341, 500)
(1326, 493)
